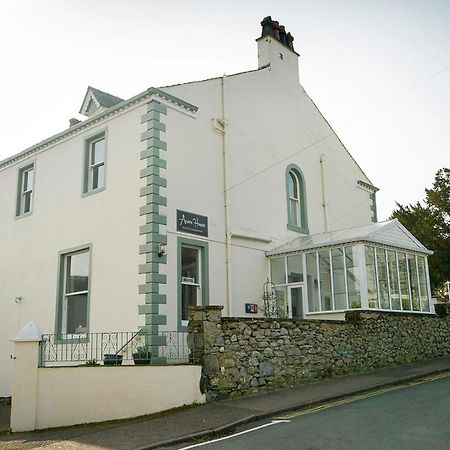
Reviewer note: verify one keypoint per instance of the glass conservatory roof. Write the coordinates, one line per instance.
(390, 232)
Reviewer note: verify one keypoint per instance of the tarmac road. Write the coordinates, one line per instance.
(412, 416)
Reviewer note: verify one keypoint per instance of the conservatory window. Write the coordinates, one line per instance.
(278, 270)
(295, 269)
(325, 281)
(423, 285)
(312, 282)
(404, 285)
(353, 277)
(383, 284)
(394, 286)
(414, 282)
(339, 280)
(371, 273)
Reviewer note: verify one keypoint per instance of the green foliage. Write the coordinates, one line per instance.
(429, 221)
(92, 362)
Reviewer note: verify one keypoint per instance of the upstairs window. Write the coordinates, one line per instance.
(94, 164)
(296, 200)
(25, 190)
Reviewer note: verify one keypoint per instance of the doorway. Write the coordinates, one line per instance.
(295, 302)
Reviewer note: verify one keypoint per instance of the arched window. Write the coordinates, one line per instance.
(296, 199)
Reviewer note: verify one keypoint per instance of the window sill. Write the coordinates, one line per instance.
(95, 191)
(21, 216)
(303, 230)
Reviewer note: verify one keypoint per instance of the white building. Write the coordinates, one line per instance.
(173, 197)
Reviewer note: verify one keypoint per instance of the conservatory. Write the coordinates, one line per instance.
(381, 266)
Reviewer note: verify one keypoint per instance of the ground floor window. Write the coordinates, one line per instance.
(74, 290)
(333, 279)
(193, 285)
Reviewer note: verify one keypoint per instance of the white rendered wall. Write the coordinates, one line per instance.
(63, 219)
(106, 393)
(271, 123)
(194, 184)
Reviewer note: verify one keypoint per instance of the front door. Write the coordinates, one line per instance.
(295, 302)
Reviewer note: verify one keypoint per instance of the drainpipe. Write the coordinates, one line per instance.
(226, 205)
(324, 203)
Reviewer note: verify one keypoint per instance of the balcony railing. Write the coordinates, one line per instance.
(112, 348)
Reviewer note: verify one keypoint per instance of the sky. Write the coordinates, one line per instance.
(379, 70)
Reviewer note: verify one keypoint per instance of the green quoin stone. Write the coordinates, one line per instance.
(149, 134)
(154, 199)
(156, 218)
(155, 142)
(155, 124)
(159, 360)
(150, 308)
(154, 297)
(155, 319)
(149, 152)
(148, 288)
(156, 106)
(156, 340)
(151, 115)
(150, 170)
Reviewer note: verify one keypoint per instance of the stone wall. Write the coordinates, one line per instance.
(241, 355)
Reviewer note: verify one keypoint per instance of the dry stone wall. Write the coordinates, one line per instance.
(241, 355)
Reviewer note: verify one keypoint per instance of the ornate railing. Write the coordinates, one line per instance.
(113, 348)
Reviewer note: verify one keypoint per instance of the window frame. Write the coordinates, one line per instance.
(300, 225)
(61, 293)
(30, 166)
(203, 295)
(89, 166)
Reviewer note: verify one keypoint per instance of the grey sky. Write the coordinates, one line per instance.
(366, 64)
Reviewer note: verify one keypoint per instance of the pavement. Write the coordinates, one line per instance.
(196, 422)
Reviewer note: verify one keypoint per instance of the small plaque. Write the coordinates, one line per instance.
(192, 223)
(251, 308)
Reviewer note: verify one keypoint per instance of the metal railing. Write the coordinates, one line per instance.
(111, 348)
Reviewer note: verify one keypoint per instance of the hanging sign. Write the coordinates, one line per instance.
(192, 223)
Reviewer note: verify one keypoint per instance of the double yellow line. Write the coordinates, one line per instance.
(362, 396)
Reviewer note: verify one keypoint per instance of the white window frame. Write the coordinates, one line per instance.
(93, 165)
(62, 306)
(22, 192)
(89, 166)
(186, 282)
(294, 199)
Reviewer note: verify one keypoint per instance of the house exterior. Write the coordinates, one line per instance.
(192, 194)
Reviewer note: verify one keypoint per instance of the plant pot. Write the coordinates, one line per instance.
(112, 360)
(141, 359)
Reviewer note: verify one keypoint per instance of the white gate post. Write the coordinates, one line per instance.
(25, 378)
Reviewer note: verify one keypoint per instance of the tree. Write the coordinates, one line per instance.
(429, 222)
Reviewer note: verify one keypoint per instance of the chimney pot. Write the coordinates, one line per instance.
(267, 29)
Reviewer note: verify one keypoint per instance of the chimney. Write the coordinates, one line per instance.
(73, 122)
(276, 49)
(273, 28)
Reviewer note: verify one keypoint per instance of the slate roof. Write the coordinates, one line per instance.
(105, 99)
(102, 99)
(390, 232)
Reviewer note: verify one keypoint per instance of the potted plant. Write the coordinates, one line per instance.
(91, 363)
(112, 359)
(142, 355)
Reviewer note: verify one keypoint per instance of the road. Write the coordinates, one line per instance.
(413, 416)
